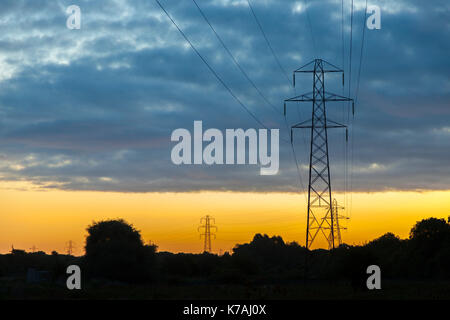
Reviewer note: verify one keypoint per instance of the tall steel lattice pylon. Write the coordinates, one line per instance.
(320, 217)
(207, 232)
(337, 221)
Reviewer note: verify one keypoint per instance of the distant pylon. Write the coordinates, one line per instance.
(69, 247)
(207, 232)
(33, 249)
(320, 218)
(338, 224)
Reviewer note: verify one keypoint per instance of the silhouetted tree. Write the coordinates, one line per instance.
(269, 256)
(431, 228)
(389, 252)
(388, 240)
(430, 246)
(115, 250)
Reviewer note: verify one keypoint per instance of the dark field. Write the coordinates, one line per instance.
(396, 290)
(117, 265)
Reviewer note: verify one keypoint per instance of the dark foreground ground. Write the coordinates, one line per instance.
(265, 268)
(18, 289)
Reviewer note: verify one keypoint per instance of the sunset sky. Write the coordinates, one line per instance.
(48, 219)
(86, 118)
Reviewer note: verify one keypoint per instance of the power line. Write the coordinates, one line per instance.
(298, 170)
(342, 38)
(268, 43)
(361, 53)
(350, 62)
(348, 106)
(225, 85)
(345, 145)
(313, 40)
(212, 70)
(287, 77)
(238, 65)
(310, 27)
(356, 98)
(234, 59)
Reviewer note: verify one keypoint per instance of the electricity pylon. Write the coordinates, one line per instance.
(320, 216)
(69, 247)
(207, 232)
(338, 226)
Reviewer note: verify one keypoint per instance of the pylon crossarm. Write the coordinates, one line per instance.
(304, 66)
(308, 97)
(335, 97)
(299, 125)
(301, 98)
(335, 124)
(311, 71)
(336, 69)
(328, 126)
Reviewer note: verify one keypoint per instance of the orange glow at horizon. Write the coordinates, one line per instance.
(49, 219)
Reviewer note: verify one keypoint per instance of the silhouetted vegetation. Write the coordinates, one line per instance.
(116, 255)
(18, 262)
(115, 251)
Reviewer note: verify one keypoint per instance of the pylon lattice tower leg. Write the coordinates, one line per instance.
(320, 217)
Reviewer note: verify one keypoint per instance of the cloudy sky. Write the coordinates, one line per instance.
(93, 109)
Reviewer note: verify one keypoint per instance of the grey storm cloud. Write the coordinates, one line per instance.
(94, 109)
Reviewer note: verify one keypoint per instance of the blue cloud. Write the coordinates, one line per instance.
(93, 109)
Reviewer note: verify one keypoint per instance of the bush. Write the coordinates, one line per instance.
(115, 251)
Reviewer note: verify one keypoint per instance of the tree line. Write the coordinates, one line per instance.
(115, 251)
